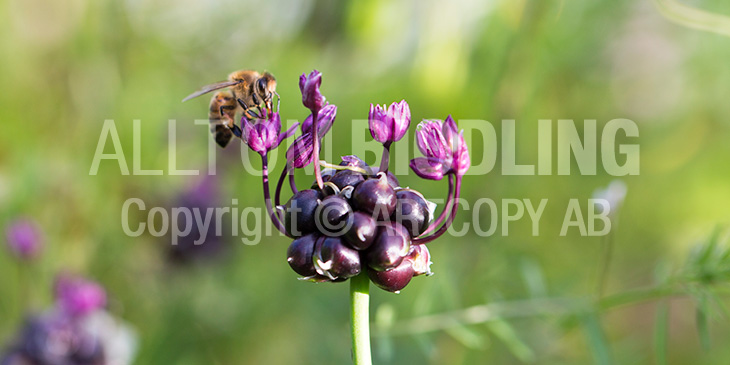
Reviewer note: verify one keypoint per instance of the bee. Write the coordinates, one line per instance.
(248, 91)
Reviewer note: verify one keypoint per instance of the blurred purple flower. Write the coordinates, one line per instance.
(444, 149)
(77, 296)
(263, 135)
(309, 86)
(76, 332)
(55, 339)
(203, 194)
(301, 152)
(24, 238)
(388, 126)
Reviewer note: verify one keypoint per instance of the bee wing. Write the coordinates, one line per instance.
(208, 88)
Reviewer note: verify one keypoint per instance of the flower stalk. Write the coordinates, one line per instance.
(267, 195)
(385, 160)
(445, 226)
(359, 319)
(315, 151)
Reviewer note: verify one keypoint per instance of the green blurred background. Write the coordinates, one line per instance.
(69, 65)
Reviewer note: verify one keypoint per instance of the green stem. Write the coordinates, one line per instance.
(605, 263)
(359, 319)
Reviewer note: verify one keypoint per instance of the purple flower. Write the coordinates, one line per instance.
(325, 118)
(77, 296)
(301, 152)
(387, 126)
(444, 149)
(264, 134)
(24, 238)
(309, 86)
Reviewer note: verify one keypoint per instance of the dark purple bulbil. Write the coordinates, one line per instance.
(346, 178)
(335, 260)
(375, 196)
(299, 217)
(391, 245)
(299, 255)
(393, 181)
(411, 211)
(360, 230)
(392, 280)
(330, 214)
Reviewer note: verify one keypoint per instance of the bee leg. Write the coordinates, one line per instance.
(256, 99)
(229, 120)
(243, 104)
(278, 100)
(237, 131)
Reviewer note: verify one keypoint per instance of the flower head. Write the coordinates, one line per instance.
(301, 152)
(391, 124)
(309, 86)
(444, 149)
(24, 238)
(264, 134)
(77, 296)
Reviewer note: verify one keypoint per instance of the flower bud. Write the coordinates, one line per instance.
(301, 151)
(309, 86)
(388, 126)
(325, 119)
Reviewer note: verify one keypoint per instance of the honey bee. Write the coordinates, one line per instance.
(248, 91)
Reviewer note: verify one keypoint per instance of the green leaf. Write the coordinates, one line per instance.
(467, 337)
(534, 278)
(506, 333)
(596, 339)
(702, 324)
(661, 332)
